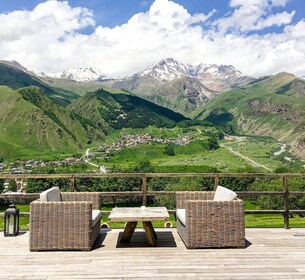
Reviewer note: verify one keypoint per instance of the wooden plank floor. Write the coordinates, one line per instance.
(270, 254)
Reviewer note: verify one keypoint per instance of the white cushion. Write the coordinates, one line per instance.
(52, 194)
(224, 194)
(181, 215)
(96, 216)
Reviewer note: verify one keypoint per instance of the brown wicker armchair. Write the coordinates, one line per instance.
(203, 222)
(72, 223)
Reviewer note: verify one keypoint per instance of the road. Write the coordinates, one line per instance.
(101, 168)
(254, 163)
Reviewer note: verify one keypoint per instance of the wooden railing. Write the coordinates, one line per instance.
(285, 193)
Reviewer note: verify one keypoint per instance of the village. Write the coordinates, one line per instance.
(133, 140)
(26, 167)
(21, 167)
(101, 152)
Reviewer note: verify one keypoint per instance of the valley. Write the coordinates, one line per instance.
(124, 149)
(208, 117)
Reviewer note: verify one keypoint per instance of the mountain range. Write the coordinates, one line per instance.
(182, 87)
(169, 83)
(43, 115)
(36, 121)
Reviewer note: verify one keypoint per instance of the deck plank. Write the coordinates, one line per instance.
(270, 254)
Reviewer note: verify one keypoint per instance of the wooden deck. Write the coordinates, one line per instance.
(270, 254)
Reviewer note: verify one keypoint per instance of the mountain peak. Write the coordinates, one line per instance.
(215, 77)
(166, 69)
(85, 74)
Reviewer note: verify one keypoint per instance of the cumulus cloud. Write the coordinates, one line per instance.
(49, 38)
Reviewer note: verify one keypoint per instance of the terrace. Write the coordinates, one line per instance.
(270, 253)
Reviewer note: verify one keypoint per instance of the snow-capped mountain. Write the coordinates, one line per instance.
(182, 87)
(221, 78)
(167, 69)
(81, 74)
(212, 76)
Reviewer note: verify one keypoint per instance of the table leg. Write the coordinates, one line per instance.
(128, 231)
(150, 233)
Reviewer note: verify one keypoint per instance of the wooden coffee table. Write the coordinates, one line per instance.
(134, 215)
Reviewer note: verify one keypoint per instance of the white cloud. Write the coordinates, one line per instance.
(252, 15)
(49, 38)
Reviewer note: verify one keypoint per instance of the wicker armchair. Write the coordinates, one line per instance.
(203, 222)
(73, 223)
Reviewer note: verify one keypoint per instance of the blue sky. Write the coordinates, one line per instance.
(117, 12)
(258, 37)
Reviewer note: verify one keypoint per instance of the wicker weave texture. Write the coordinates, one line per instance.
(65, 225)
(182, 197)
(212, 223)
(93, 197)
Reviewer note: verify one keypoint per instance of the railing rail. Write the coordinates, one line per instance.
(145, 193)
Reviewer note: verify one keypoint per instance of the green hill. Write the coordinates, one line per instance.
(32, 125)
(122, 110)
(272, 106)
(15, 78)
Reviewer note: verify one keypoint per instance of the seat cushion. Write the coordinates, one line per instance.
(181, 215)
(52, 194)
(224, 194)
(96, 216)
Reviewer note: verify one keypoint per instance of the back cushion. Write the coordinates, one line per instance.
(52, 194)
(224, 194)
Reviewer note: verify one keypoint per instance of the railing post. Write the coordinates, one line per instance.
(286, 202)
(216, 182)
(144, 190)
(72, 184)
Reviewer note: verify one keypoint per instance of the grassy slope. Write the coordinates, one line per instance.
(122, 110)
(272, 107)
(33, 126)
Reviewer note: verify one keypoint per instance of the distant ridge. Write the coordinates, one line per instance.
(15, 76)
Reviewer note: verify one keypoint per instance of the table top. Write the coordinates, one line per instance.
(136, 214)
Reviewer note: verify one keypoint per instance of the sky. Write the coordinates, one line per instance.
(122, 37)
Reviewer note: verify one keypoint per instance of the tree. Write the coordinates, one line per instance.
(1, 185)
(212, 144)
(12, 186)
(169, 150)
